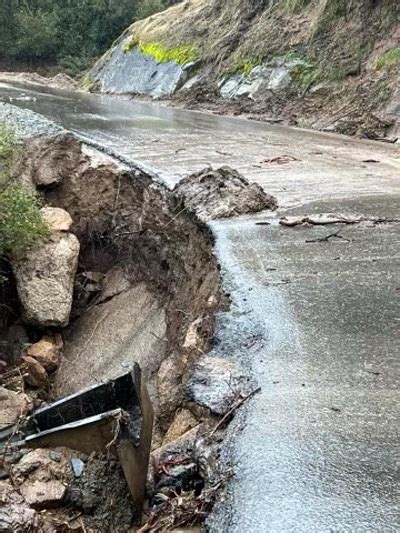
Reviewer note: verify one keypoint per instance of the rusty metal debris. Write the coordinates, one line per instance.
(115, 417)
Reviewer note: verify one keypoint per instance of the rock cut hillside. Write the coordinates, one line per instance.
(328, 64)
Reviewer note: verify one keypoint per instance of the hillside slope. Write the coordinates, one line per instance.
(328, 64)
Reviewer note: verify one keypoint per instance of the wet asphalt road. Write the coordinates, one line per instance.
(317, 323)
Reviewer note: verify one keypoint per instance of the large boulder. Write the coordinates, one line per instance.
(222, 193)
(45, 280)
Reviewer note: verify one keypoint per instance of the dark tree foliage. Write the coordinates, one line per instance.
(69, 33)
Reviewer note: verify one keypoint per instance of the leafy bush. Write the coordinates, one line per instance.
(21, 223)
(8, 150)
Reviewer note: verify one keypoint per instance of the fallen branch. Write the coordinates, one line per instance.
(330, 236)
(279, 160)
(326, 219)
(318, 220)
(234, 409)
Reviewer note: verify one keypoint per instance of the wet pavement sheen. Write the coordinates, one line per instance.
(317, 323)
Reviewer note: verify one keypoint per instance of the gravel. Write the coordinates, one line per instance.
(27, 123)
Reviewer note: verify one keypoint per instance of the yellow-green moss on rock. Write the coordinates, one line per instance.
(183, 54)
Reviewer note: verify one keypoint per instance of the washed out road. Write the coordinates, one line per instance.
(317, 323)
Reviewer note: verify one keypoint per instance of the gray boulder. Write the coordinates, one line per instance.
(217, 384)
(222, 193)
(45, 280)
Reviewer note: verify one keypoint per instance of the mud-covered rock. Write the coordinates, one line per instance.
(222, 193)
(47, 161)
(57, 219)
(217, 383)
(45, 280)
(12, 406)
(183, 422)
(169, 384)
(47, 353)
(16, 516)
(34, 373)
(43, 494)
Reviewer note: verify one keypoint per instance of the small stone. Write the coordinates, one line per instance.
(184, 421)
(58, 219)
(55, 456)
(35, 374)
(43, 494)
(193, 338)
(77, 466)
(46, 353)
(12, 406)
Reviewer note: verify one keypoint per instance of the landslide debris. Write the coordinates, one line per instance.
(222, 193)
(144, 263)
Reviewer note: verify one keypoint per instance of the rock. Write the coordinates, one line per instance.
(12, 406)
(43, 494)
(44, 465)
(45, 280)
(121, 72)
(273, 76)
(17, 340)
(48, 160)
(47, 353)
(217, 383)
(15, 515)
(77, 466)
(169, 384)
(183, 422)
(222, 193)
(58, 219)
(193, 338)
(34, 373)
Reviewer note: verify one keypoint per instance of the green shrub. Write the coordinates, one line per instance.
(8, 150)
(389, 60)
(21, 223)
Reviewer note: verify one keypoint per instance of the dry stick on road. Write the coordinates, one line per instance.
(233, 409)
(330, 236)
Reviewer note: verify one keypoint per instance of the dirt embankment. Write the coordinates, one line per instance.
(330, 65)
(146, 288)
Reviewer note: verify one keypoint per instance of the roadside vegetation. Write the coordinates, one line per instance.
(65, 34)
(21, 223)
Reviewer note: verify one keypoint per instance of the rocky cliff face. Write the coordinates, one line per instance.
(295, 59)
